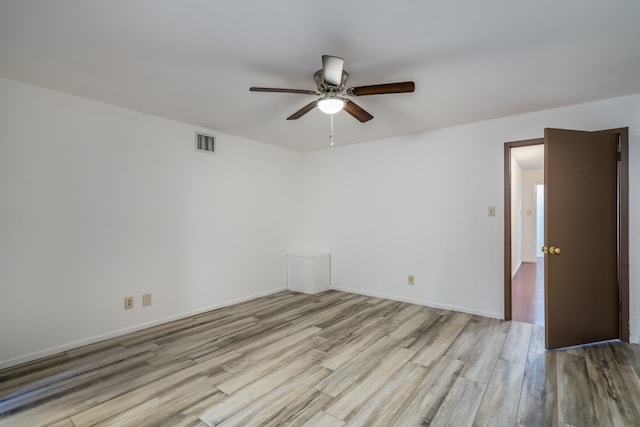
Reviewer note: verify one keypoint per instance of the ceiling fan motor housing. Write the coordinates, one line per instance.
(326, 88)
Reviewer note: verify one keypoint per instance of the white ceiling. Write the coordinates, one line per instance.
(194, 60)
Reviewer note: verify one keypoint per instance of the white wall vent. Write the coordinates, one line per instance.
(205, 142)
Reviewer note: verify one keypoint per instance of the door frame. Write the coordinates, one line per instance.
(623, 227)
(507, 217)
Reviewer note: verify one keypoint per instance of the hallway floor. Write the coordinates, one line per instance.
(527, 293)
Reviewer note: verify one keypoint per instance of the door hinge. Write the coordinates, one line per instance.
(619, 148)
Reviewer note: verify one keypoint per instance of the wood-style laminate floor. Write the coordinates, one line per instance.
(527, 293)
(331, 359)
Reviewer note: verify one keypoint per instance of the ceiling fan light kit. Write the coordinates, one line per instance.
(330, 81)
(331, 104)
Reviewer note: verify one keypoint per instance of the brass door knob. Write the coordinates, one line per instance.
(544, 249)
(554, 251)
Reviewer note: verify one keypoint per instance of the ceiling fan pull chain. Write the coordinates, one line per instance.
(331, 133)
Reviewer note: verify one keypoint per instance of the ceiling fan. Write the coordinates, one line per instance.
(330, 81)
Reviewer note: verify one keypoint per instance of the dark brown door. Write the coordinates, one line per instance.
(581, 236)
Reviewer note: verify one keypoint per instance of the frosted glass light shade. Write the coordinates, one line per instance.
(330, 105)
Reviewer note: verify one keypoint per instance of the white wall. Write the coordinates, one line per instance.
(529, 238)
(516, 216)
(99, 202)
(417, 204)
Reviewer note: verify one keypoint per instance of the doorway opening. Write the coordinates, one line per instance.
(527, 230)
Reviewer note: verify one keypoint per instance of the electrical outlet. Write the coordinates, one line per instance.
(411, 280)
(128, 303)
(146, 300)
(492, 211)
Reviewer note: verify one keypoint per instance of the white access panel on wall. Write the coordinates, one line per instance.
(308, 272)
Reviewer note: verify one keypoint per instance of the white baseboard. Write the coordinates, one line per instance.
(515, 270)
(114, 334)
(491, 314)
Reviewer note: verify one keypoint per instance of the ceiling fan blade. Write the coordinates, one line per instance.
(401, 87)
(272, 89)
(332, 69)
(304, 110)
(356, 111)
